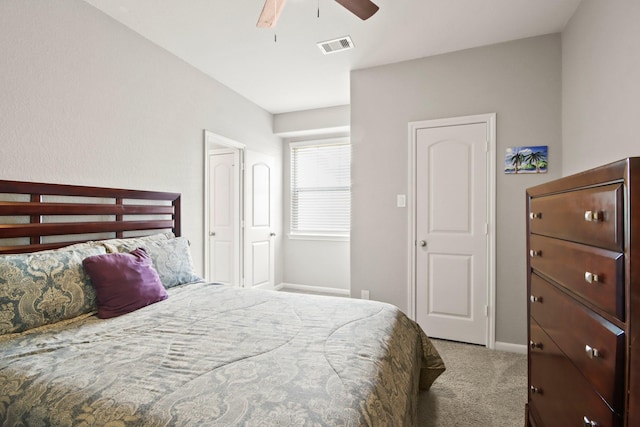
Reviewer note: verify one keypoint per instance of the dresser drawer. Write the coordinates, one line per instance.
(594, 345)
(595, 274)
(592, 216)
(558, 393)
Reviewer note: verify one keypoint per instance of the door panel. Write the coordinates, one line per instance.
(454, 271)
(222, 262)
(259, 229)
(261, 212)
(261, 269)
(451, 223)
(448, 191)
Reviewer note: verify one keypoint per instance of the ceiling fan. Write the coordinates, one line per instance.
(272, 9)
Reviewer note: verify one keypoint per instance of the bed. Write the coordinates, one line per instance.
(194, 354)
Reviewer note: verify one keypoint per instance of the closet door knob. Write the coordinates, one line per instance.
(535, 299)
(535, 253)
(535, 390)
(535, 215)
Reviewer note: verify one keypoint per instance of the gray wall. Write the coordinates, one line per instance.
(521, 82)
(313, 263)
(601, 84)
(84, 100)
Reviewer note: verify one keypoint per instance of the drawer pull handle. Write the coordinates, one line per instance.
(535, 215)
(533, 345)
(592, 216)
(590, 277)
(535, 390)
(535, 253)
(533, 298)
(591, 352)
(588, 423)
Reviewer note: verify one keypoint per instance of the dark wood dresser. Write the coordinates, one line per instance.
(583, 285)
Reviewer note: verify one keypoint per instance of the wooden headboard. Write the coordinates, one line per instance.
(37, 216)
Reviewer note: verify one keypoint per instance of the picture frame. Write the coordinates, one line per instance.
(526, 160)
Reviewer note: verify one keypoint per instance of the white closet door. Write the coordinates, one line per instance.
(259, 258)
(451, 232)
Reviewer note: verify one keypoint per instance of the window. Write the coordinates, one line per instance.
(321, 188)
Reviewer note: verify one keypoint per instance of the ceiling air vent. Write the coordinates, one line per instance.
(336, 45)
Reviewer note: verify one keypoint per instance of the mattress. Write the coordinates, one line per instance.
(213, 355)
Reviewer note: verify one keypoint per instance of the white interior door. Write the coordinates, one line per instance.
(259, 250)
(451, 256)
(224, 224)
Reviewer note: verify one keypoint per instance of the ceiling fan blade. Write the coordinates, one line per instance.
(363, 9)
(270, 13)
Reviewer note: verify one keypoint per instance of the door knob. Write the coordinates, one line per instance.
(423, 243)
(212, 233)
(272, 234)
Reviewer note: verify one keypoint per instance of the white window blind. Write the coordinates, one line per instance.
(321, 188)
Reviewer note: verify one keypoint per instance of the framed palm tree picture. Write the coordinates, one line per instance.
(520, 160)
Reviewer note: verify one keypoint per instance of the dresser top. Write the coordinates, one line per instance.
(623, 170)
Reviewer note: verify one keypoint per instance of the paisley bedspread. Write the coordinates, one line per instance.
(213, 355)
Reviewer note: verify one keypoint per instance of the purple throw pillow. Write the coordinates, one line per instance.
(124, 282)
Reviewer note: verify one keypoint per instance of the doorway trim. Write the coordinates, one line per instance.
(490, 121)
(212, 143)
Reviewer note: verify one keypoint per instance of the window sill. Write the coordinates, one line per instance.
(324, 237)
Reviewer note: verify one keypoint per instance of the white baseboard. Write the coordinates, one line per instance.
(314, 289)
(511, 348)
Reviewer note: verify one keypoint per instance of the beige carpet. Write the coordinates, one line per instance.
(479, 388)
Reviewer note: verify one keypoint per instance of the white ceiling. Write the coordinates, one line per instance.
(220, 38)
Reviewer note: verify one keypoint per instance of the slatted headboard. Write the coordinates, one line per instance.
(37, 216)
